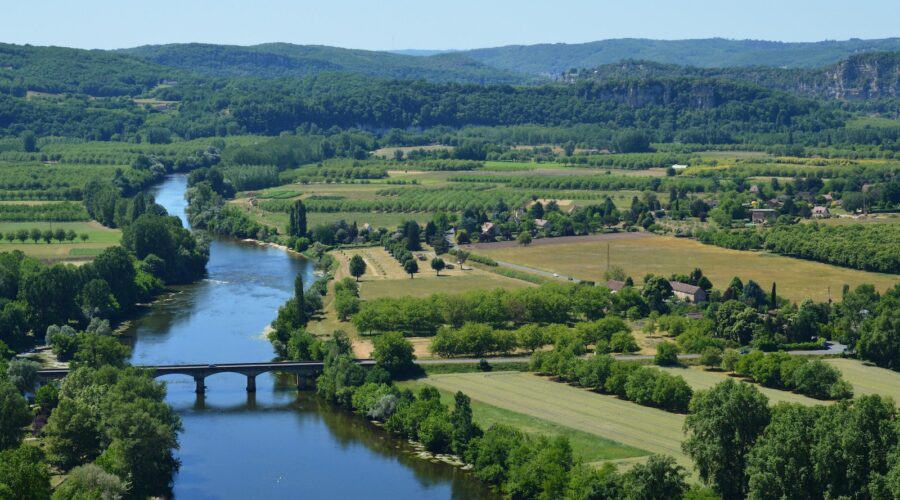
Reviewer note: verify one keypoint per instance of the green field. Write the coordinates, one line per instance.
(600, 415)
(99, 237)
(423, 285)
(867, 379)
(586, 446)
(700, 379)
(641, 253)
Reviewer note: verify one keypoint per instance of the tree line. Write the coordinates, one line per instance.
(47, 235)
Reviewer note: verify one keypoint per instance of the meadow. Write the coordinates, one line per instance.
(586, 446)
(701, 379)
(868, 379)
(607, 417)
(643, 253)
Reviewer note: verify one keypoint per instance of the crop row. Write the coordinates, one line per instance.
(65, 211)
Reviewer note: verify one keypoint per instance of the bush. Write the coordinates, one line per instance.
(711, 357)
(394, 353)
(666, 354)
(730, 360)
(623, 342)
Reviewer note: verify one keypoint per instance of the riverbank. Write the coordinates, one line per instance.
(299, 443)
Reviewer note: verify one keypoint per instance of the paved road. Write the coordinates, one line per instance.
(540, 272)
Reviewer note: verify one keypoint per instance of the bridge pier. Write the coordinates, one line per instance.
(201, 384)
(251, 383)
(304, 382)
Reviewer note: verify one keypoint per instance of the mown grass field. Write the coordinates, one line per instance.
(386, 278)
(586, 446)
(796, 279)
(607, 417)
(867, 379)
(700, 379)
(99, 237)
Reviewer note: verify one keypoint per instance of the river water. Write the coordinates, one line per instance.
(277, 443)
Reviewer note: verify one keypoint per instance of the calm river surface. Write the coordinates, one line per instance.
(276, 443)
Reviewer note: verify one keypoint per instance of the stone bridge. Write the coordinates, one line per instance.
(306, 371)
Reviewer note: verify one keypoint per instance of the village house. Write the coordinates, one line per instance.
(542, 224)
(487, 229)
(820, 213)
(762, 215)
(615, 285)
(687, 292)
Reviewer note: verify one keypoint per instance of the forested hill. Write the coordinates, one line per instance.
(95, 73)
(864, 76)
(553, 59)
(288, 60)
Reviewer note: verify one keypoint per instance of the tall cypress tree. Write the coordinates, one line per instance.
(298, 299)
(297, 219)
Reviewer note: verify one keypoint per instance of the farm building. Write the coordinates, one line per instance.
(679, 167)
(615, 285)
(690, 293)
(820, 213)
(762, 215)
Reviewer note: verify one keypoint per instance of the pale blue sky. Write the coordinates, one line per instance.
(423, 24)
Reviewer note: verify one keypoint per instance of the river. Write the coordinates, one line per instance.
(277, 443)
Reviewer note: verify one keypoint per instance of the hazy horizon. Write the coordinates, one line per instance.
(400, 25)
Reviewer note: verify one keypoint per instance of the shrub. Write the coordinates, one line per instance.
(666, 354)
(623, 342)
(711, 357)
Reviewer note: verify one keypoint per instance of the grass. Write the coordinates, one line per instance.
(99, 237)
(700, 379)
(642, 254)
(586, 446)
(602, 416)
(422, 285)
(386, 278)
(867, 379)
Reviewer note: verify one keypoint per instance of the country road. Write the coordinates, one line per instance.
(537, 271)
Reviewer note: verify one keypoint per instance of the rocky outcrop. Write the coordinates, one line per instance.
(866, 76)
(860, 77)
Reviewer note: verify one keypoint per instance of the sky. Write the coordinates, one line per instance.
(425, 24)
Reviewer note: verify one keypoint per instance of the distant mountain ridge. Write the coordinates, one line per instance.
(274, 60)
(554, 59)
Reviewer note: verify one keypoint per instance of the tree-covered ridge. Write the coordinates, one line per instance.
(861, 76)
(277, 60)
(685, 110)
(553, 59)
(96, 73)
